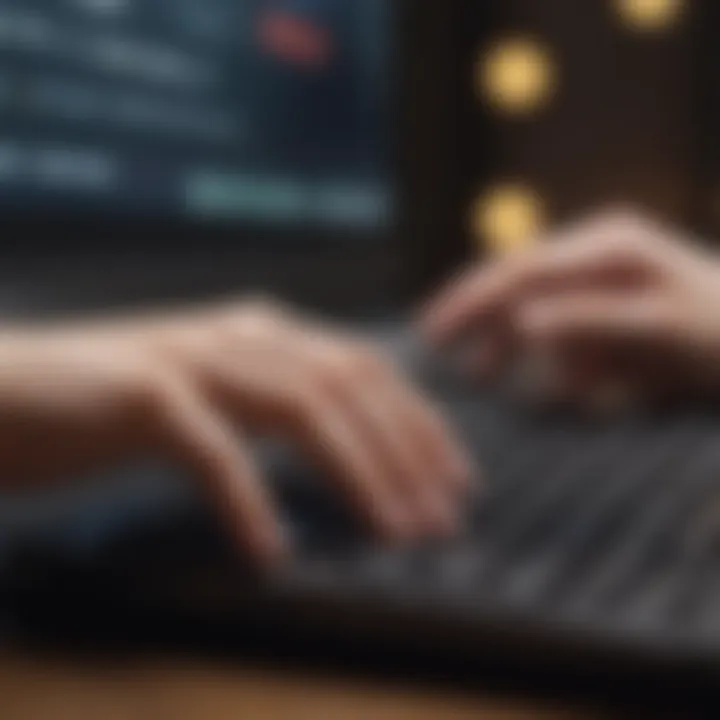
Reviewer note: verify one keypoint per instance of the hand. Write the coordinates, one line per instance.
(618, 302)
(192, 385)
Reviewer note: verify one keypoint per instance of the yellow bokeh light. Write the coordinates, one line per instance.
(650, 15)
(516, 76)
(507, 218)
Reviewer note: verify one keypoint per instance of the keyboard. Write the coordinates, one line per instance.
(589, 534)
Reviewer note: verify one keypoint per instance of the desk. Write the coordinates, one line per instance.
(32, 689)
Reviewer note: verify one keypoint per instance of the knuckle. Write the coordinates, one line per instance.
(622, 219)
(352, 363)
(368, 362)
(617, 227)
(330, 372)
(301, 406)
(147, 409)
(261, 306)
(622, 246)
(295, 395)
(156, 397)
(624, 242)
(255, 318)
(155, 393)
(369, 357)
(141, 384)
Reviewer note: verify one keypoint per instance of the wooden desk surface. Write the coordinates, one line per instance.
(65, 690)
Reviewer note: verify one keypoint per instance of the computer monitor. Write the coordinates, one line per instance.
(270, 135)
(254, 111)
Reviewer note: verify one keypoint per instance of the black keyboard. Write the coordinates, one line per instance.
(597, 533)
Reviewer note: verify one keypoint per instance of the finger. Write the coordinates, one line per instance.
(441, 469)
(408, 432)
(594, 380)
(330, 436)
(198, 436)
(574, 259)
(383, 420)
(281, 393)
(430, 436)
(417, 455)
(483, 357)
(605, 345)
(381, 417)
(616, 318)
(419, 426)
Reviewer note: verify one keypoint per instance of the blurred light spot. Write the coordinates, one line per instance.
(507, 218)
(650, 15)
(516, 76)
(294, 39)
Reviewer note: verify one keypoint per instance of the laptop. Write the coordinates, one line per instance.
(163, 153)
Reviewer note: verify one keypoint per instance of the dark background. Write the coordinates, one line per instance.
(632, 118)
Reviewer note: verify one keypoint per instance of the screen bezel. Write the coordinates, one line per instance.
(424, 240)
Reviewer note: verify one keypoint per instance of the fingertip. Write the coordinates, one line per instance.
(463, 472)
(269, 546)
(457, 463)
(437, 321)
(431, 329)
(440, 513)
(395, 522)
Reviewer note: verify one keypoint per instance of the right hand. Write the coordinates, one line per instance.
(619, 302)
(191, 385)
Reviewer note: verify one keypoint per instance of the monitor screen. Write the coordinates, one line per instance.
(250, 111)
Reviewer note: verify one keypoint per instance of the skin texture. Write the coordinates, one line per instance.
(617, 301)
(192, 386)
